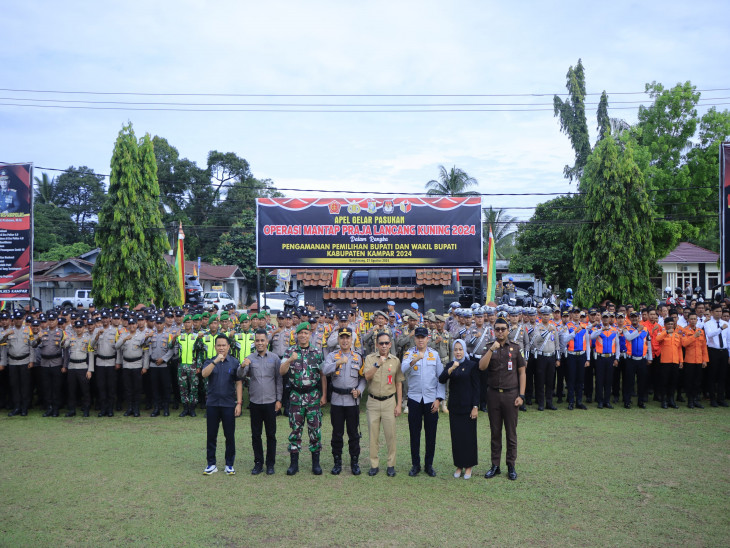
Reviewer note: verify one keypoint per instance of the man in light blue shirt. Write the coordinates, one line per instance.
(422, 366)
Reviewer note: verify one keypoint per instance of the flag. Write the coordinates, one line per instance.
(180, 265)
(195, 270)
(491, 270)
(337, 277)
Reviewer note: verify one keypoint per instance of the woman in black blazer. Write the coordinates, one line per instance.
(463, 377)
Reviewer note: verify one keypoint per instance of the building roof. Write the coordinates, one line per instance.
(686, 252)
(313, 277)
(372, 293)
(209, 271)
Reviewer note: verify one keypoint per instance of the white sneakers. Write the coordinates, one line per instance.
(230, 471)
(210, 470)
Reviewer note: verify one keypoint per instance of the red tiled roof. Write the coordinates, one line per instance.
(433, 276)
(314, 277)
(372, 293)
(42, 266)
(686, 252)
(207, 271)
(323, 278)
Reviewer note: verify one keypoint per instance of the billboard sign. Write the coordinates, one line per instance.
(384, 232)
(16, 231)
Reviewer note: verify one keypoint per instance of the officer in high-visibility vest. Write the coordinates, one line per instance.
(205, 349)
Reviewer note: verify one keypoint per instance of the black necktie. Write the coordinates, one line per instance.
(720, 335)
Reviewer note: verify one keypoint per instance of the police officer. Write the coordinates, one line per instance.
(545, 344)
(422, 366)
(304, 361)
(380, 321)
(50, 347)
(80, 365)
(133, 346)
(477, 344)
(160, 352)
(106, 364)
(21, 357)
(346, 369)
(9, 202)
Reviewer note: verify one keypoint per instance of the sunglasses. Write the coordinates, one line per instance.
(500, 329)
(385, 343)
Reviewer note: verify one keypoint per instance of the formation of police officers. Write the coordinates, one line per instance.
(308, 358)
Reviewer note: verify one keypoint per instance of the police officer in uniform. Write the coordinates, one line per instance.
(9, 202)
(106, 364)
(21, 357)
(80, 365)
(346, 369)
(477, 345)
(160, 353)
(133, 345)
(545, 345)
(50, 348)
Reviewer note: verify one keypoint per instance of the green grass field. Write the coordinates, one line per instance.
(586, 478)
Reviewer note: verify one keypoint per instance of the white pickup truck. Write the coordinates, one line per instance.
(83, 296)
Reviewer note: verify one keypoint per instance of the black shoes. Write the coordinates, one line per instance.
(70, 413)
(607, 405)
(110, 413)
(316, 468)
(293, 465)
(14, 412)
(641, 405)
(48, 412)
(664, 405)
(390, 471)
(493, 471)
(165, 411)
(552, 407)
(511, 472)
(541, 408)
(23, 412)
(673, 405)
(184, 412)
(373, 471)
(523, 407)
(430, 471)
(354, 466)
(627, 406)
(600, 405)
(155, 412)
(415, 469)
(582, 406)
(337, 468)
(570, 407)
(698, 405)
(128, 412)
(257, 468)
(269, 469)
(101, 414)
(191, 411)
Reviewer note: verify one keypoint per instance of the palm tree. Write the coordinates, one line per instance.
(503, 229)
(45, 190)
(452, 183)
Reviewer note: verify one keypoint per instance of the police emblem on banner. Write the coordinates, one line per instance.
(353, 208)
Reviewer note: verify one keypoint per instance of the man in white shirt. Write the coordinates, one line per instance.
(717, 344)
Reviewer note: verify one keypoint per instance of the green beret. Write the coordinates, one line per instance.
(206, 314)
(224, 316)
(243, 317)
(187, 318)
(197, 317)
(304, 325)
(213, 318)
(262, 316)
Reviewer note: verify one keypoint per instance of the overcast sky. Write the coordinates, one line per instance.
(342, 47)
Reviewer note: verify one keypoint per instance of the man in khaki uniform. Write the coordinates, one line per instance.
(383, 374)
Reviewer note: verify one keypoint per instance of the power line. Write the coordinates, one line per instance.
(151, 94)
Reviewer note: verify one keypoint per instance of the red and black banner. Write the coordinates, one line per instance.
(724, 211)
(16, 231)
(383, 232)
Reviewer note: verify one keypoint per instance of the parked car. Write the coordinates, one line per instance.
(82, 296)
(193, 290)
(277, 300)
(220, 298)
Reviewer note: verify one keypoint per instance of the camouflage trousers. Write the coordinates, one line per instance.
(187, 380)
(305, 407)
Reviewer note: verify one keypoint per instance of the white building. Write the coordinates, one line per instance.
(692, 265)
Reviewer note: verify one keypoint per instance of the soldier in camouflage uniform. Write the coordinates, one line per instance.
(303, 362)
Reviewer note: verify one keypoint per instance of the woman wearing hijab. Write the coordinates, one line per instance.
(463, 377)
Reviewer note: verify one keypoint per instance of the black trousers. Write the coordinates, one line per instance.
(530, 377)
(718, 370)
(419, 414)
(132, 386)
(160, 380)
(19, 376)
(636, 371)
(263, 415)
(349, 415)
(619, 375)
(544, 380)
(106, 386)
(52, 386)
(77, 381)
(655, 369)
(692, 376)
(588, 375)
(604, 379)
(215, 416)
(668, 380)
(575, 375)
(5, 395)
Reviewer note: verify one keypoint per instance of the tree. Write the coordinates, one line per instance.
(604, 120)
(52, 227)
(572, 114)
(454, 182)
(545, 243)
(238, 246)
(45, 191)
(81, 191)
(131, 266)
(61, 252)
(503, 231)
(614, 253)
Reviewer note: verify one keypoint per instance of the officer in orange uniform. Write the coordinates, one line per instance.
(607, 355)
(670, 342)
(695, 359)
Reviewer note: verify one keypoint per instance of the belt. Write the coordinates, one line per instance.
(606, 355)
(17, 358)
(478, 356)
(576, 353)
(126, 359)
(544, 353)
(76, 361)
(381, 398)
(637, 358)
(342, 391)
(305, 389)
(51, 356)
(501, 390)
(100, 357)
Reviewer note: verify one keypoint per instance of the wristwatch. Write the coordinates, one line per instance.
(521, 396)
(377, 366)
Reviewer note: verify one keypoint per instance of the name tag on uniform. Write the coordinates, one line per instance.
(509, 365)
(390, 379)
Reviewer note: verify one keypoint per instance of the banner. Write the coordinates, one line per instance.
(724, 210)
(16, 231)
(385, 232)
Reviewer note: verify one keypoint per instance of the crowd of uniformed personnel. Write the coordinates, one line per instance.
(115, 357)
